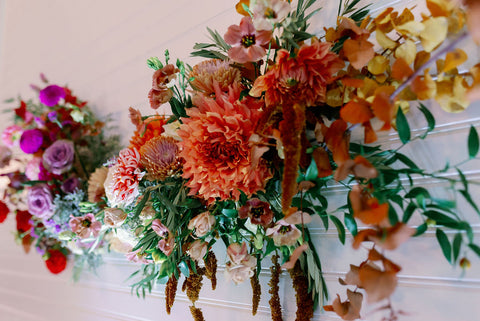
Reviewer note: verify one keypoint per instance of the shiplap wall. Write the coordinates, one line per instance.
(99, 49)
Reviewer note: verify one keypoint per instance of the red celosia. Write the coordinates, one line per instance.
(57, 261)
(302, 79)
(216, 146)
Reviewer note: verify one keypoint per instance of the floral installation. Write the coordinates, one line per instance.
(47, 159)
(260, 129)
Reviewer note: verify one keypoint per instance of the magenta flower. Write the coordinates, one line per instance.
(85, 226)
(40, 201)
(31, 141)
(58, 157)
(246, 41)
(51, 95)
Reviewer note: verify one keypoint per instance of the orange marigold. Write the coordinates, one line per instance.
(216, 146)
(302, 79)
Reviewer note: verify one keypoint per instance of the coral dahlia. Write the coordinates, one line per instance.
(216, 146)
(302, 79)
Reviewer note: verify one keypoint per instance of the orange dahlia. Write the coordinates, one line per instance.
(213, 70)
(149, 128)
(216, 146)
(302, 79)
(159, 156)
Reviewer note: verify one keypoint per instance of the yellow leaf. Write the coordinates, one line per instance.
(424, 88)
(381, 78)
(405, 17)
(451, 95)
(420, 59)
(368, 89)
(378, 65)
(434, 33)
(334, 97)
(411, 28)
(407, 51)
(454, 59)
(384, 41)
(440, 8)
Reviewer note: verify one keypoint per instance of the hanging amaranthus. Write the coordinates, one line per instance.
(211, 268)
(170, 292)
(304, 297)
(274, 302)
(256, 292)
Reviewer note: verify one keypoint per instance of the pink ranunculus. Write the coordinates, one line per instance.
(237, 252)
(85, 226)
(197, 249)
(246, 41)
(202, 224)
(239, 273)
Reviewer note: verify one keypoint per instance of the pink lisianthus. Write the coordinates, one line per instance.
(246, 41)
(85, 226)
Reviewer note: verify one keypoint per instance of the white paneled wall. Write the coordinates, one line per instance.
(99, 48)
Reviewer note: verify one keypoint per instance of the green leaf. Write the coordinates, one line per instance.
(232, 213)
(469, 199)
(312, 171)
(407, 161)
(184, 268)
(403, 127)
(392, 214)
(473, 142)
(440, 218)
(421, 229)
(407, 214)
(351, 224)
(456, 245)
(475, 248)
(417, 191)
(430, 120)
(340, 228)
(444, 244)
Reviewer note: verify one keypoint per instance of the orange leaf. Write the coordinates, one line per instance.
(356, 112)
(378, 284)
(373, 213)
(239, 7)
(381, 105)
(353, 82)
(358, 51)
(322, 160)
(363, 236)
(294, 257)
(369, 136)
(401, 70)
(454, 59)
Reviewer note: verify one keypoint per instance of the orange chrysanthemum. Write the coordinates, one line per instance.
(208, 72)
(216, 146)
(159, 156)
(151, 127)
(302, 79)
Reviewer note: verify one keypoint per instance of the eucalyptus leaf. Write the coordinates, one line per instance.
(444, 244)
(473, 142)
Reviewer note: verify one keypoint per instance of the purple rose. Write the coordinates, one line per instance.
(70, 185)
(51, 95)
(40, 201)
(58, 157)
(31, 141)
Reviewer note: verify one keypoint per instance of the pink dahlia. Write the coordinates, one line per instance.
(216, 146)
(126, 174)
(246, 41)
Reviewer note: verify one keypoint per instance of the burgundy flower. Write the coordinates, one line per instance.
(31, 141)
(70, 185)
(258, 211)
(57, 261)
(51, 95)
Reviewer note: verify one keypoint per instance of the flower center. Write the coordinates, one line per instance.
(291, 82)
(86, 223)
(257, 212)
(270, 14)
(284, 229)
(248, 40)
